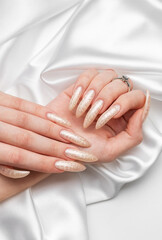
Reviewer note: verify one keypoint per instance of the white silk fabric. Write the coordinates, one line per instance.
(44, 46)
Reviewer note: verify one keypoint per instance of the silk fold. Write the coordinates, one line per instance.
(44, 46)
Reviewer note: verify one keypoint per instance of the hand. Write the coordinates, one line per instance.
(108, 142)
(30, 141)
(123, 129)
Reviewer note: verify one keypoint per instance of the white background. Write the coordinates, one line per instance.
(135, 214)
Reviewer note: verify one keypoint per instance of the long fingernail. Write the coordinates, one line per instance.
(106, 116)
(93, 112)
(69, 166)
(80, 155)
(13, 173)
(75, 98)
(146, 106)
(74, 138)
(56, 119)
(85, 103)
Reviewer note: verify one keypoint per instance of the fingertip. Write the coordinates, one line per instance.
(146, 107)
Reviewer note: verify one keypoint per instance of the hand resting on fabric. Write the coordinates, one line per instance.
(122, 131)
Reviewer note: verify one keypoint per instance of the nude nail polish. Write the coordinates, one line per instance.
(13, 173)
(106, 116)
(85, 103)
(69, 166)
(93, 112)
(74, 138)
(56, 119)
(80, 155)
(75, 98)
(146, 106)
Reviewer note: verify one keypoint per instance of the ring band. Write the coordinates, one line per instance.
(125, 80)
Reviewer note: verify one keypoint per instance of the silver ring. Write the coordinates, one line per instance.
(125, 80)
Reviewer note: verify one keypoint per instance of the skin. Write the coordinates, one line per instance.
(121, 133)
(28, 140)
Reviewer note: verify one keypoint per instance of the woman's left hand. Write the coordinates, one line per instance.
(30, 139)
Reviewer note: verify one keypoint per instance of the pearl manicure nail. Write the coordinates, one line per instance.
(74, 138)
(69, 166)
(146, 106)
(75, 98)
(56, 119)
(93, 112)
(13, 173)
(80, 155)
(85, 103)
(106, 116)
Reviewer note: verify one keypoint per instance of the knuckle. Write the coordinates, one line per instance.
(45, 165)
(22, 139)
(54, 149)
(14, 156)
(112, 72)
(37, 110)
(22, 119)
(49, 130)
(17, 102)
(88, 73)
(107, 100)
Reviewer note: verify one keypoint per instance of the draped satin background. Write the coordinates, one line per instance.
(44, 46)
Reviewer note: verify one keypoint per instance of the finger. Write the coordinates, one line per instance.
(13, 173)
(40, 126)
(128, 101)
(146, 107)
(32, 108)
(36, 143)
(117, 125)
(81, 85)
(105, 98)
(128, 114)
(95, 86)
(127, 139)
(17, 157)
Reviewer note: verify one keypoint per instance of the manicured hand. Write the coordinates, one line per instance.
(34, 137)
(106, 105)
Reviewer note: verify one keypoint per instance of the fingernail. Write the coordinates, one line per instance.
(106, 116)
(80, 155)
(92, 114)
(85, 103)
(75, 98)
(74, 138)
(56, 119)
(146, 106)
(13, 173)
(69, 166)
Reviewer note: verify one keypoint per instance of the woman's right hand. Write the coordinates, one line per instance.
(33, 137)
(113, 127)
